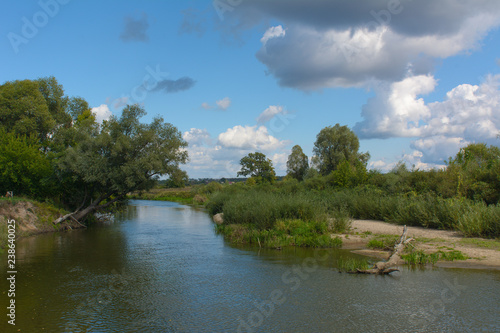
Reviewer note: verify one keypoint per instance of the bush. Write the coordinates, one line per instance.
(480, 221)
(340, 220)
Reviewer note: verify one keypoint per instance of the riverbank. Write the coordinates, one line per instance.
(31, 218)
(181, 195)
(482, 253)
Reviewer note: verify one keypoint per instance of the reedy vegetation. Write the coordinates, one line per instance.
(263, 205)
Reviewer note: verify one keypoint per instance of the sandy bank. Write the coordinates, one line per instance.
(483, 253)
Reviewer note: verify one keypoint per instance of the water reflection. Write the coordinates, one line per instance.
(160, 268)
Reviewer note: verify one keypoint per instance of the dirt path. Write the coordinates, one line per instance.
(483, 253)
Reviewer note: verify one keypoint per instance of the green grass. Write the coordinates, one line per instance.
(419, 257)
(383, 242)
(351, 265)
(263, 205)
(286, 233)
(484, 243)
(182, 196)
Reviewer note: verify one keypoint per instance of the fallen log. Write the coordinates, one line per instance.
(386, 267)
(64, 218)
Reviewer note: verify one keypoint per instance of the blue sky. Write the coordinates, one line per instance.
(415, 80)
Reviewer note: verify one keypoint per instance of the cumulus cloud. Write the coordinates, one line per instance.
(273, 32)
(219, 157)
(101, 113)
(469, 113)
(396, 110)
(224, 103)
(320, 44)
(173, 86)
(250, 138)
(135, 29)
(317, 44)
(269, 113)
(197, 137)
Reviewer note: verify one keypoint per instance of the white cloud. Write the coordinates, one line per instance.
(436, 149)
(307, 58)
(197, 137)
(206, 106)
(273, 32)
(470, 113)
(269, 113)
(224, 103)
(396, 111)
(320, 44)
(337, 44)
(279, 162)
(250, 138)
(211, 159)
(101, 113)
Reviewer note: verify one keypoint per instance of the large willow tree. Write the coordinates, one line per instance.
(121, 156)
(52, 148)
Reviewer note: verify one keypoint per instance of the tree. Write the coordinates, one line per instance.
(297, 163)
(333, 146)
(123, 155)
(178, 179)
(257, 166)
(36, 108)
(24, 110)
(24, 169)
(476, 169)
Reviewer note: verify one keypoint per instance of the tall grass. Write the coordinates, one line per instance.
(480, 220)
(262, 207)
(285, 233)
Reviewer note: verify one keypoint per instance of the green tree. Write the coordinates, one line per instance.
(123, 155)
(56, 101)
(24, 168)
(178, 179)
(36, 108)
(297, 163)
(257, 166)
(476, 170)
(24, 110)
(335, 144)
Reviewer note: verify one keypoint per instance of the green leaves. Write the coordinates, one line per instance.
(297, 163)
(125, 155)
(23, 166)
(257, 166)
(335, 144)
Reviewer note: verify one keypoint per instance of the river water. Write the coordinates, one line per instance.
(160, 267)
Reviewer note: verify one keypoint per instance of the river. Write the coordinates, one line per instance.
(160, 267)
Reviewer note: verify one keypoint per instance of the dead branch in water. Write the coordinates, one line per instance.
(385, 267)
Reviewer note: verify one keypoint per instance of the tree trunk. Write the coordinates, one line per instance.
(77, 215)
(382, 267)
